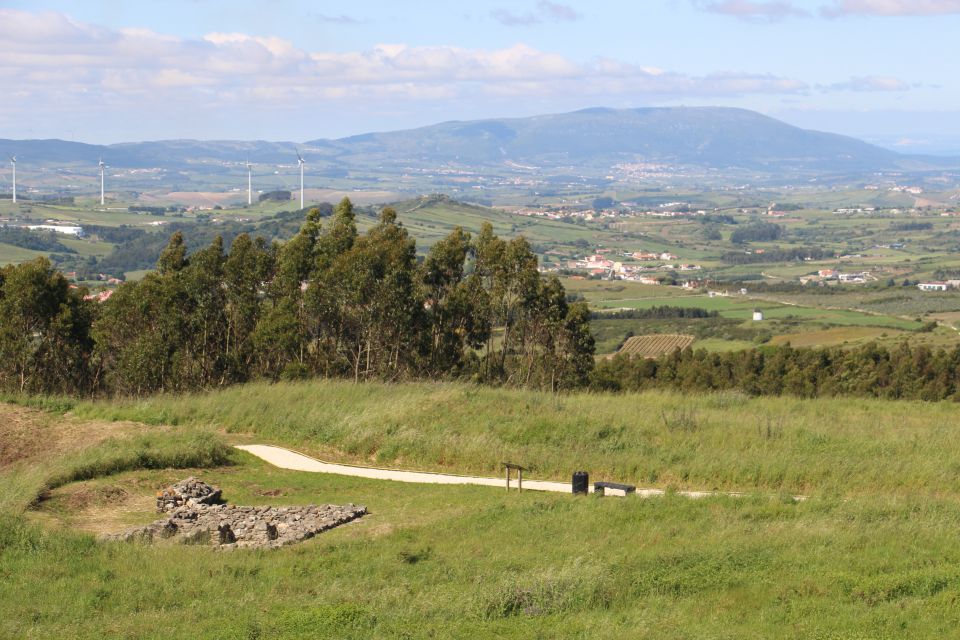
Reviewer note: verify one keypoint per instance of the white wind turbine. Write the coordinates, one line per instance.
(13, 162)
(302, 162)
(249, 183)
(102, 168)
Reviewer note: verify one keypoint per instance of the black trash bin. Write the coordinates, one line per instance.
(581, 482)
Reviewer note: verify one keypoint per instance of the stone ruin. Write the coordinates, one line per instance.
(195, 517)
(187, 492)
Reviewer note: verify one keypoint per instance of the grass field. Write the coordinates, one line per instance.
(871, 554)
(838, 335)
(10, 254)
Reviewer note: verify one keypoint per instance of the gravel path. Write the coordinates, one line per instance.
(286, 459)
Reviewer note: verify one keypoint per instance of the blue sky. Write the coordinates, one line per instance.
(112, 70)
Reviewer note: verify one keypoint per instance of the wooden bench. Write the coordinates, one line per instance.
(601, 487)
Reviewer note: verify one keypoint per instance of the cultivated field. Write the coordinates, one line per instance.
(655, 345)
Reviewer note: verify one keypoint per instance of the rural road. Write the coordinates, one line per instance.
(287, 459)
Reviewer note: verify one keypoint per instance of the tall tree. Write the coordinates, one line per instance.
(45, 343)
(457, 306)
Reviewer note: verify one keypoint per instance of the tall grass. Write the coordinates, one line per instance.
(829, 446)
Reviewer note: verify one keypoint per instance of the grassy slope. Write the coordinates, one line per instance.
(431, 218)
(467, 562)
(10, 254)
(724, 441)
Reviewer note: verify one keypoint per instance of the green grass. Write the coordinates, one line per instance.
(825, 446)
(741, 308)
(10, 254)
(467, 562)
(872, 554)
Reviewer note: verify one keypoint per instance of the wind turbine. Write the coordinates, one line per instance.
(301, 161)
(102, 167)
(249, 184)
(13, 161)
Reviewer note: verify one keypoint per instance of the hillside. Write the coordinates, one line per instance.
(432, 217)
(586, 141)
(704, 136)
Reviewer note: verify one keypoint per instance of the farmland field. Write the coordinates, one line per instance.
(838, 335)
(655, 345)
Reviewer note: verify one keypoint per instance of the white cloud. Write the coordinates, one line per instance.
(775, 10)
(891, 8)
(751, 10)
(57, 59)
(871, 83)
(545, 11)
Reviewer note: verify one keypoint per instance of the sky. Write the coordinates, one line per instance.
(106, 71)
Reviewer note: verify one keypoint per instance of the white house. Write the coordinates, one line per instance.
(69, 230)
(933, 286)
(757, 315)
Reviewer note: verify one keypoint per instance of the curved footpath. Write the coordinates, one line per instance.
(287, 459)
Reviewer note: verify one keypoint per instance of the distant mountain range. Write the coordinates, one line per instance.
(587, 141)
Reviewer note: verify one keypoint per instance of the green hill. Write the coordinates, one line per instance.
(431, 217)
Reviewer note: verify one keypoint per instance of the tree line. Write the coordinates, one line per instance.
(870, 371)
(331, 301)
(777, 254)
(37, 240)
(656, 312)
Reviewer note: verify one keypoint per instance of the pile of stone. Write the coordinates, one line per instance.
(187, 492)
(233, 527)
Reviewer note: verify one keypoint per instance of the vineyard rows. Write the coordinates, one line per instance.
(655, 345)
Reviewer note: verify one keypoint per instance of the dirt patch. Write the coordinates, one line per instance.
(98, 506)
(21, 433)
(29, 435)
(89, 497)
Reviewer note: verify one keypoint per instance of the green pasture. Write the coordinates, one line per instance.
(742, 308)
(10, 254)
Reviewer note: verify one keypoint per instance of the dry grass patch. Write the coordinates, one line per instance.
(835, 336)
(30, 435)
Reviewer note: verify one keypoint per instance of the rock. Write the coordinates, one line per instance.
(189, 492)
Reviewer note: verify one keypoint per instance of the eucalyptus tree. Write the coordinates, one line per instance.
(456, 304)
(45, 343)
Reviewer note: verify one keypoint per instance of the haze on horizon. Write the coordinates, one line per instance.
(106, 72)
